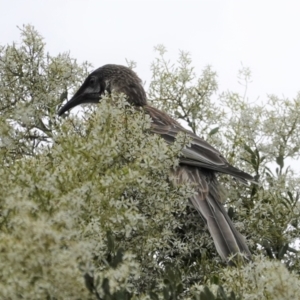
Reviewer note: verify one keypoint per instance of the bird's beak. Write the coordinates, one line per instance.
(81, 97)
(74, 101)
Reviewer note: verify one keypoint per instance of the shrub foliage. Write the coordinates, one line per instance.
(87, 210)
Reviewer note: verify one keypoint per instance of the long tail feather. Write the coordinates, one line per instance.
(207, 202)
(227, 239)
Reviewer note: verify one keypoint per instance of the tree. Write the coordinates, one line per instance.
(32, 85)
(87, 208)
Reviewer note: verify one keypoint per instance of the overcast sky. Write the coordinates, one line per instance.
(263, 35)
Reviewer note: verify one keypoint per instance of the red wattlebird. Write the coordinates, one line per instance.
(198, 164)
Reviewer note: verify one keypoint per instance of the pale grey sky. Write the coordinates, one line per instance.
(263, 35)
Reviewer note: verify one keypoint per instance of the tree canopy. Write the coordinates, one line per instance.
(87, 210)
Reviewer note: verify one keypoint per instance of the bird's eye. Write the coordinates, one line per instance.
(92, 81)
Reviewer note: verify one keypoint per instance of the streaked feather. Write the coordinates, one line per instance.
(197, 166)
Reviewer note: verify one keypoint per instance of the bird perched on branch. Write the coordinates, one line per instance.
(198, 165)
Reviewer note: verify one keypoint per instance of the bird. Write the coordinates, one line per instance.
(199, 163)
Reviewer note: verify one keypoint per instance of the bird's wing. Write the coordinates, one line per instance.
(199, 153)
(198, 163)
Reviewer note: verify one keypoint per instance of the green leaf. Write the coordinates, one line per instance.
(230, 212)
(179, 288)
(63, 96)
(166, 293)
(248, 149)
(280, 161)
(110, 242)
(206, 294)
(283, 251)
(213, 131)
(153, 296)
(215, 280)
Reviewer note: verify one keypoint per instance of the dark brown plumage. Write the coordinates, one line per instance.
(198, 164)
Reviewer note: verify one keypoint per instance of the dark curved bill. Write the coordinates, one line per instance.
(70, 104)
(77, 100)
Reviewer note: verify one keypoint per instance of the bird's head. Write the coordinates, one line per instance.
(108, 78)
